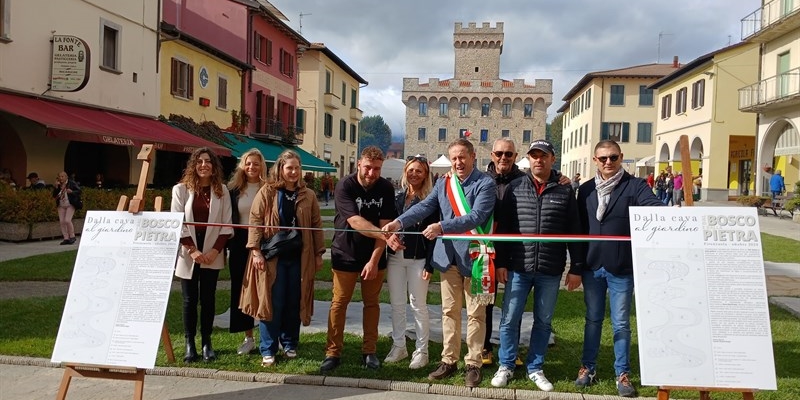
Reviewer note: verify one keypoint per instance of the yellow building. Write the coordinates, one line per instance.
(198, 81)
(329, 98)
(699, 100)
(616, 105)
(775, 96)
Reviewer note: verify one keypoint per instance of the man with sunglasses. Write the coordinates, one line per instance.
(535, 203)
(603, 204)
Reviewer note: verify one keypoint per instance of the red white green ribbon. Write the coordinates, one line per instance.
(480, 251)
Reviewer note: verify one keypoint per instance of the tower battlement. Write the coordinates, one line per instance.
(472, 28)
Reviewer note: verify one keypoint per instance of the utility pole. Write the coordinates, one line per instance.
(300, 31)
(660, 36)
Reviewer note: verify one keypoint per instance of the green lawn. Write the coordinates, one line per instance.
(29, 327)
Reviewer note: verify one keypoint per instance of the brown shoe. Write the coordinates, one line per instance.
(444, 370)
(473, 376)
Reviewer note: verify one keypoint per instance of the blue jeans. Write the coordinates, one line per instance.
(545, 292)
(285, 323)
(620, 293)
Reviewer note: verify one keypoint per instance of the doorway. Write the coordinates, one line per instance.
(745, 170)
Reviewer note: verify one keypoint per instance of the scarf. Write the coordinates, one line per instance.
(480, 251)
(604, 188)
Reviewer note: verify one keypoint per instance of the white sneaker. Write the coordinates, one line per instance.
(541, 381)
(418, 360)
(502, 376)
(247, 346)
(552, 340)
(396, 354)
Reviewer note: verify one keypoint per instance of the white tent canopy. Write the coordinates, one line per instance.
(393, 168)
(523, 163)
(646, 161)
(442, 161)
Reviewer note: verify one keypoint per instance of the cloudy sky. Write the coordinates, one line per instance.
(385, 41)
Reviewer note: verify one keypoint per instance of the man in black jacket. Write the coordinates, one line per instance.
(603, 204)
(534, 204)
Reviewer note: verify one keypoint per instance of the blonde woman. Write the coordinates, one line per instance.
(409, 269)
(280, 291)
(247, 179)
(202, 197)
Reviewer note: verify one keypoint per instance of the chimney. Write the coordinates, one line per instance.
(675, 63)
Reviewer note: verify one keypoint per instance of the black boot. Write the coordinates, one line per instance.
(191, 350)
(208, 351)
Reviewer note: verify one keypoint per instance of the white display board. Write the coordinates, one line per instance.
(119, 290)
(701, 298)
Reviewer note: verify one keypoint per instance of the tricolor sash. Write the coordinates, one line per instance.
(480, 251)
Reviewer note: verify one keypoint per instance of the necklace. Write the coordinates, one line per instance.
(289, 197)
(205, 193)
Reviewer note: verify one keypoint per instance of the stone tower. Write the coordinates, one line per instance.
(477, 51)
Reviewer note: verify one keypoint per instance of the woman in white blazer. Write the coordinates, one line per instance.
(201, 197)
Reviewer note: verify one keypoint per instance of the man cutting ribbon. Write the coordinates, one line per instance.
(465, 202)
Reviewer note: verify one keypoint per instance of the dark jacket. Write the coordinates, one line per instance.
(416, 245)
(74, 197)
(615, 257)
(553, 212)
(239, 239)
(502, 180)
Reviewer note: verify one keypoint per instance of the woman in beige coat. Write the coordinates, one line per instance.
(202, 197)
(280, 291)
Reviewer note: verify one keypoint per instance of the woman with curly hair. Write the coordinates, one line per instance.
(280, 291)
(202, 197)
(247, 179)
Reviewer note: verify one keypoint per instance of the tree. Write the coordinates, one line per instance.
(374, 131)
(554, 134)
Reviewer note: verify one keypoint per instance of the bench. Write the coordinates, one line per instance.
(777, 206)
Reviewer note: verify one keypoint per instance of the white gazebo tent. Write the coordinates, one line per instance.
(523, 163)
(393, 168)
(441, 165)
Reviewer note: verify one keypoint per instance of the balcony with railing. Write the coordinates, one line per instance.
(772, 20)
(274, 130)
(775, 92)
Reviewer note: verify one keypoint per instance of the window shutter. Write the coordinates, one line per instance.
(604, 131)
(626, 132)
(291, 115)
(268, 51)
(173, 79)
(190, 83)
(259, 111)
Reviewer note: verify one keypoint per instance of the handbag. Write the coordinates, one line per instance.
(282, 242)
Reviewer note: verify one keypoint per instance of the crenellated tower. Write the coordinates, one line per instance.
(478, 51)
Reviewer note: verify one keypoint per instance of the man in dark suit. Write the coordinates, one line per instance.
(603, 204)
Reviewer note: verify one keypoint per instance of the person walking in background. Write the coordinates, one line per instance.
(409, 269)
(576, 183)
(245, 183)
(67, 194)
(661, 186)
(465, 200)
(776, 184)
(677, 189)
(201, 197)
(669, 187)
(364, 202)
(283, 286)
(603, 205)
(535, 204)
(326, 185)
(651, 181)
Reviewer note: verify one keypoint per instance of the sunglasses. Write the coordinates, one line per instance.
(603, 159)
(417, 158)
(500, 154)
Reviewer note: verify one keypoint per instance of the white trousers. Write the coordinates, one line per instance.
(404, 277)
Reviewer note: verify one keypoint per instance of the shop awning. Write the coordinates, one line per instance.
(646, 161)
(85, 124)
(271, 151)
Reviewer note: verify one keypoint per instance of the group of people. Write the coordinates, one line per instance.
(277, 292)
(380, 233)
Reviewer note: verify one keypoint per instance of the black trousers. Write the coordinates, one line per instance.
(201, 288)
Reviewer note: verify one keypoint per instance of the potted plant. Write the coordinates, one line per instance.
(751, 200)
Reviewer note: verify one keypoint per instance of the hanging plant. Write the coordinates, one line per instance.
(767, 168)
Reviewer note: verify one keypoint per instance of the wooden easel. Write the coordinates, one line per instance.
(686, 170)
(123, 373)
(705, 393)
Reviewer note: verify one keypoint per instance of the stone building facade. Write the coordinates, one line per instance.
(475, 102)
